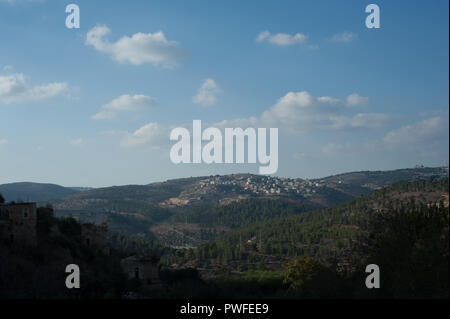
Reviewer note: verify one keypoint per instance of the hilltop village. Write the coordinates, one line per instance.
(223, 189)
(241, 186)
(263, 185)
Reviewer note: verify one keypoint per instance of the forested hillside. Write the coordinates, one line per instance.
(333, 233)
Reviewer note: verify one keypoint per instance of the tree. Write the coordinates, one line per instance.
(2, 199)
(308, 278)
(411, 246)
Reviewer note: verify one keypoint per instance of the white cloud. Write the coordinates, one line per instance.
(124, 102)
(207, 93)
(361, 120)
(424, 140)
(8, 68)
(296, 112)
(3, 141)
(328, 99)
(79, 142)
(128, 102)
(15, 89)
(429, 133)
(104, 115)
(299, 155)
(300, 112)
(355, 99)
(344, 37)
(152, 134)
(138, 49)
(282, 39)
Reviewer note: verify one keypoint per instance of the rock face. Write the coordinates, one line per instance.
(18, 223)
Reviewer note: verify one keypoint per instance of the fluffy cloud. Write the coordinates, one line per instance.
(426, 135)
(360, 120)
(138, 49)
(152, 134)
(79, 142)
(282, 39)
(15, 89)
(355, 99)
(207, 93)
(296, 112)
(328, 99)
(3, 141)
(124, 102)
(104, 115)
(426, 139)
(300, 111)
(344, 37)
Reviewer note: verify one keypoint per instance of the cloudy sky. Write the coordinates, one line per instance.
(94, 106)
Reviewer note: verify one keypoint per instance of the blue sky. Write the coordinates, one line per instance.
(84, 107)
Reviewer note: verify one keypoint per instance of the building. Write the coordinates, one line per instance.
(96, 237)
(18, 223)
(144, 269)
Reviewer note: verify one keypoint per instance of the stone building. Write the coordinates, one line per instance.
(18, 223)
(96, 237)
(144, 269)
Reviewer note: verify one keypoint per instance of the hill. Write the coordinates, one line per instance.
(35, 192)
(330, 233)
(363, 182)
(190, 211)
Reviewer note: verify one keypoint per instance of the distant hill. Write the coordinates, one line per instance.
(167, 210)
(191, 192)
(81, 189)
(34, 192)
(363, 182)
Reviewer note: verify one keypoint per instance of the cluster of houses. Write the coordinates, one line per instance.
(263, 185)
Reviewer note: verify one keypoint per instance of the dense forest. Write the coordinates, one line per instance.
(399, 225)
(242, 213)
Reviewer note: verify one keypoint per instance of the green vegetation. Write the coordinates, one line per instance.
(411, 246)
(136, 245)
(238, 214)
(274, 250)
(308, 278)
(405, 226)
